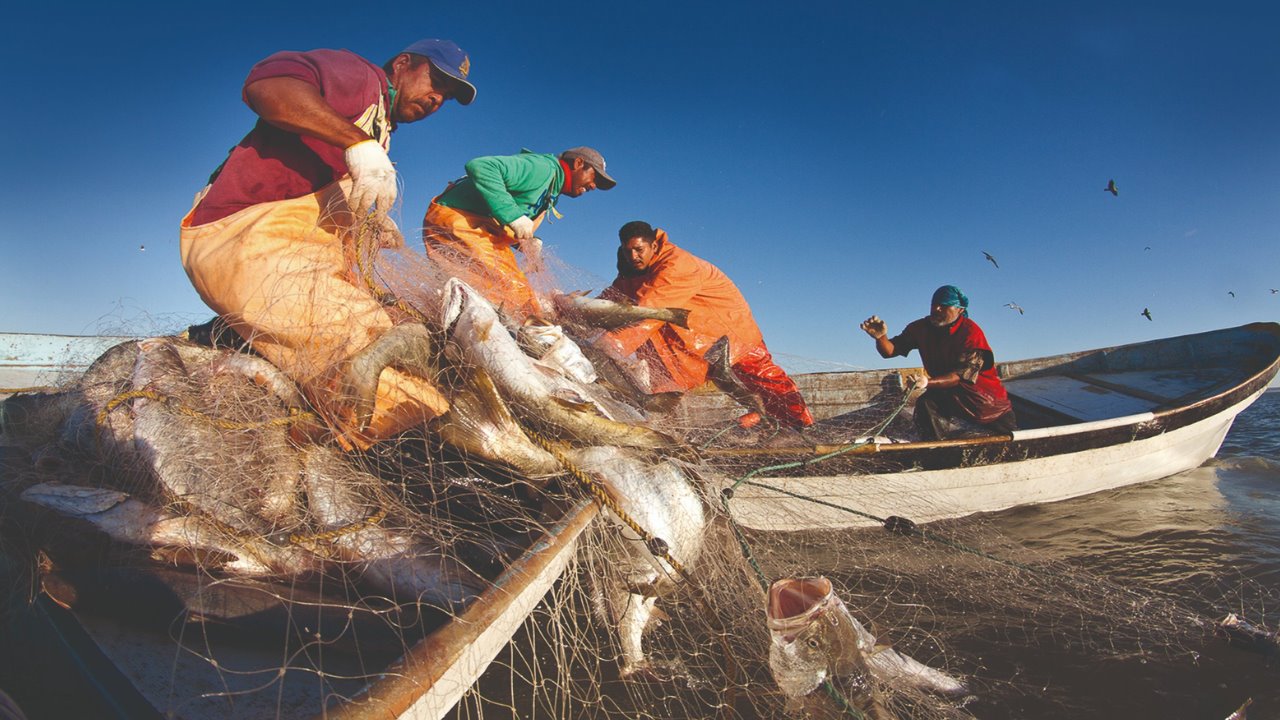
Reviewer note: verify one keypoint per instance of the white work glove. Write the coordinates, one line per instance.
(920, 382)
(522, 227)
(874, 327)
(373, 175)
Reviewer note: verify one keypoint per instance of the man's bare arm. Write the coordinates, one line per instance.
(297, 106)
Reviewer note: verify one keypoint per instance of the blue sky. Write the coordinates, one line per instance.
(835, 159)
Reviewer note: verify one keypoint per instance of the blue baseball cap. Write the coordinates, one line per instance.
(449, 59)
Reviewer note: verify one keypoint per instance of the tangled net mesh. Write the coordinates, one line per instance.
(278, 578)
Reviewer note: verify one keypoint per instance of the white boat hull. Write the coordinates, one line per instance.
(929, 495)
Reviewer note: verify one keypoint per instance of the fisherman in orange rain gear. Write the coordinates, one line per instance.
(269, 245)
(723, 342)
(471, 228)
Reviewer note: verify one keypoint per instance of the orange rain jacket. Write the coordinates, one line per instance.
(677, 278)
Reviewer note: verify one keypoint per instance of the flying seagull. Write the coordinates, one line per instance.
(1274, 291)
(1111, 188)
(1231, 293)
(143, 248)
(993, 260)
(1146, 313)
(1147, 247)
(1014, 306)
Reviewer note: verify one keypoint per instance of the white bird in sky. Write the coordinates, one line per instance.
(1014, 306)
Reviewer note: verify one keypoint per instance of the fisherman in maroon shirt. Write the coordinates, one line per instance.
(961, 385)
(273, 242)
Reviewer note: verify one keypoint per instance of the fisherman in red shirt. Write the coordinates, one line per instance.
(272, 244)
(722, 343)
(960, 381)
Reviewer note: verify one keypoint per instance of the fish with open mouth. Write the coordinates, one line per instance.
(814, 638)
(610, 315)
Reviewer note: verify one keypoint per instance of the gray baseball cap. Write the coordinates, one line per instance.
(592, 157)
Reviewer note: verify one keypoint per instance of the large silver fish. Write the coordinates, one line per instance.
(538, 396)
(815, 638)
(244, 479)
(479, 424)
(609, 315)
(346, 503)
(130, 521)
(663, 501)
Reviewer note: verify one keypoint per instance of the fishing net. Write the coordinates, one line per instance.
(180, 498)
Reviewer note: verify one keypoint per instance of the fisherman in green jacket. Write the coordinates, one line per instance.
(472, 228)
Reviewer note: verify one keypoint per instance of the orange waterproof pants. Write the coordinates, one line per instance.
(762, 376)
(476, 249)
(281, 274)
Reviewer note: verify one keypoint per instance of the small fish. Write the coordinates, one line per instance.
(1014, 306)
(1146, 313)
(992, 259)
(606, 314)
(1241, 712)
(1237, 628)
(1111, 188)
(814, 638)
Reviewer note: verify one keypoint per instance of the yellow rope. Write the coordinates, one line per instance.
(366, 236)
(295, 416)
(329, 536)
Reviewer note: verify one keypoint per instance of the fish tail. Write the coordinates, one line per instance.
(680, 317)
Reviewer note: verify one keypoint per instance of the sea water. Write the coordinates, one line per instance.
(1207, 539)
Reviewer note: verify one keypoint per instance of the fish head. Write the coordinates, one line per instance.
(803, 636)
(456, 297)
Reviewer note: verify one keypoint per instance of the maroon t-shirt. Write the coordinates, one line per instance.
(940, 351)
(273, 164)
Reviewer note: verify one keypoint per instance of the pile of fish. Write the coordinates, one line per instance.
(202, 469)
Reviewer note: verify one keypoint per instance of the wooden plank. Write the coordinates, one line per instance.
(1123, 389)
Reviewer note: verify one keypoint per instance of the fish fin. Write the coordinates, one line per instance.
(681, 317)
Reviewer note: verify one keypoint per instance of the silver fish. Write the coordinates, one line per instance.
(131, 521)
(546, 399)
(479, 424)
(345, 502)
(815, 638)
(247, 480)
(663, 501)
(609, 315)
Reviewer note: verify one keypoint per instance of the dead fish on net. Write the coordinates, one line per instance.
(815, 638)
(133, 522)
(478, 338)
(609, 315)
(346, 503)
(1236, 627)
(480, 424)
(663, 501)
(245, 479)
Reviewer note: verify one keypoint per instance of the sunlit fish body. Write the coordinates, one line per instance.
(609, 315)
(544, 399)
(660, 498)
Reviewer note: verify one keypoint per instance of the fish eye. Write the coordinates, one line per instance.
(812, 642)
